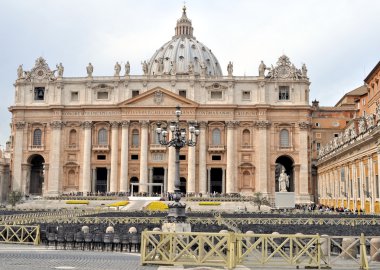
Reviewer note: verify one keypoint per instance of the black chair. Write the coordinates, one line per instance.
(125, 240)
(88, 238)
(135, 242)
(116, 241)
(51, 239)
(107, 241)
(79, 240)
(61, 241)
(70, 243)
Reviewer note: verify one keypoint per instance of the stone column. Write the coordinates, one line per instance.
(362, 185)
(150, 180)
(190, 166)
(223, 180)
(171, 164)
(108, 179)
(262, 155)
(26, 176)
(144, 156)
(202, 165)
(93, 185)
(18, 147)
(124, 181)
(378, 165)
(209, 180)
(304, 157)
(370, 188)
(114, 155)
(231, 166)
(165, 181)
(86, 172)
(55, 158)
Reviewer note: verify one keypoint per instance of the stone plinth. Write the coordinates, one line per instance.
(285, 200)
(176, 227)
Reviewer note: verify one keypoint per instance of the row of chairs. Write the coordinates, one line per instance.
(93, 241)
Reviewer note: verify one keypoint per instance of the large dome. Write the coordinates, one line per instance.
(184, 54)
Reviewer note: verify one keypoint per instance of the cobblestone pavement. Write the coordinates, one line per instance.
(17, 257)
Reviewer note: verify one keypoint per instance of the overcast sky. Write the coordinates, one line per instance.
(339, 41)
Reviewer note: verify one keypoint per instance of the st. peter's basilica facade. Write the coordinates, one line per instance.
(97, 133)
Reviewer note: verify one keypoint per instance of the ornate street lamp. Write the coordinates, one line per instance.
(178, 140)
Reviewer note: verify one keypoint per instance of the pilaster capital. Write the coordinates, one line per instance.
(20, 125)
(304, 125)
(263, 124)
(86, 125)
(125, 123)
(232, 124)
(115, 124)
(56, 124)
(144, 123)
(202, 124)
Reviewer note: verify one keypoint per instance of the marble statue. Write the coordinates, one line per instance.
(262, 68)
(203, 69)
(370, 121)
(230, 68)
(117, 69)
(145, 67)
(283, 181)
(20, 72)
(362, 127)
(90, 70)
(191, 68)
(304, 71)
(127, 68)
(173, 70)
(60, 69)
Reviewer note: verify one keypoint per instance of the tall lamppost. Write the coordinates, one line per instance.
(178, 140)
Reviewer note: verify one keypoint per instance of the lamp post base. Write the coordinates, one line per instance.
(176, 227)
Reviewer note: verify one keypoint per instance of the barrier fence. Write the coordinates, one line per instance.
(20, 234)
(232, 249)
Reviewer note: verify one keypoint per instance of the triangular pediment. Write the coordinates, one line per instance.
(158, 97)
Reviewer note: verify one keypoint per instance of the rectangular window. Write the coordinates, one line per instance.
(182, 157)
(216, 95)
(283, 93)
(182, 93)
(318, 145)
(135, 93)
(39, 93)
(74, 96)
(102, 95)
(101, 157)
(216, 157)
(336, 135)
(246, 95)
(134, 157)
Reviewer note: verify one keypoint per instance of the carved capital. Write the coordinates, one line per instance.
(304, 125)
(144, 123)
(87, 125)
(20, 125)
(115, 124)
(125, 123)
(232, 124)
(202, 124)
(56, 124)
(263, 124)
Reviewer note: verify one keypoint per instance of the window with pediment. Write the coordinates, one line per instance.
(135, 137)
(284, 138)
(37, 137)
(102, 136)
(216, 136)
(246, 137)
(73, 137)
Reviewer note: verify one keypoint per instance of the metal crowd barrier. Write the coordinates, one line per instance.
(250, 250)
(20, 234)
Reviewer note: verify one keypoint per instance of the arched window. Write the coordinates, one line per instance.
(37, 137)
(216, 136)
(135, 138)
(284, 138)
(102, 137)
(246, 137)
(73, 137)
(71, 178)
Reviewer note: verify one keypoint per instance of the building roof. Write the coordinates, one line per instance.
(361, 90)
(367, 79)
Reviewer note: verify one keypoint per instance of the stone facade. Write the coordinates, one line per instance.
(97, 134)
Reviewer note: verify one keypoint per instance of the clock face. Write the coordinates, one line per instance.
(40, 73)
(283, 71)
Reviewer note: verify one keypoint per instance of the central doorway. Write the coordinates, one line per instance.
(158, 178)
(101, 180)
(216, 180)
(36, 175)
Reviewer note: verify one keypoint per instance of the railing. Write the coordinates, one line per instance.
(157, 148)
(216, 148)
(267, 250)
(36, 147)
(20, 234)
(100, 147)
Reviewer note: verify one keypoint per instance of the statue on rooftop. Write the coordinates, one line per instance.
(90, 70)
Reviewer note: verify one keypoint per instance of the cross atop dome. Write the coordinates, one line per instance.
(184, 27)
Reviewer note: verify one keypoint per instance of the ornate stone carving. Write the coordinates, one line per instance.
(202, 124)
(232, 124)
(117, 69)
(90, 70)
(263, 124)
(353, 133)
(230, 68)
(87, 125)
(362, 125)
(20, 125)
(125, 123)
(304, 125)
(40, 71)
(285, 70)
(144, 123)
(370, 121)
(115, 124)
(158, 97)
(56, 124)
(60, 70)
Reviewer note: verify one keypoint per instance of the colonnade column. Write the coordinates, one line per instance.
(362, 193)
(231, 166)
(202, 158)
(150, 179)
(304, 157)
(93, 184)
(371, 184)
(17, 182)
(124, 181)
(86, 172)
(114, 155)
(171, 164)
(144, 156)
(55, 158)
(262, 155)
(190, 166)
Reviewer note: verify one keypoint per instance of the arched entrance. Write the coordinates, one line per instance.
(36, 174)
(134, 188)
(287, 163)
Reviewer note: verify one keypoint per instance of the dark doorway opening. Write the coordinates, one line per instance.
(36, 175)
(287, 163)
(216, 181)
(182, 185)
(135, 188)
(158, 178)
(101, 180)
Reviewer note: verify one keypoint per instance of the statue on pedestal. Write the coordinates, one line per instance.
(20, 72)
(60, 69)
(127, 68)
(262, 68)
(283, 181)
(145, 67)
(90, 69)
(117, 69)
(230, 68)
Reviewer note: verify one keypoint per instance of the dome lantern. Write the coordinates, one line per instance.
(184, 27)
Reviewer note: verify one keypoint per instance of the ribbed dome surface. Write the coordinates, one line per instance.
(184, 54)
